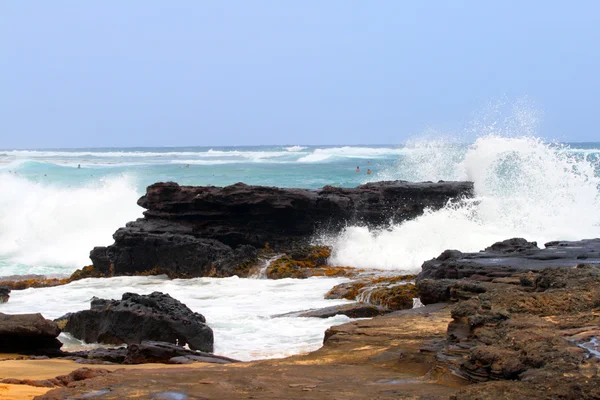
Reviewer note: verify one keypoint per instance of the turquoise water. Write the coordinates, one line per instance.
(289, 166)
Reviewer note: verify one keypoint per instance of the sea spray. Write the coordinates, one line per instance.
(523, 187)
(47, 225)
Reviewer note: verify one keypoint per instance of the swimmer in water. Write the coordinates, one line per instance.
(369, 172)
(187, 165)
(357, 169)
(78, 166)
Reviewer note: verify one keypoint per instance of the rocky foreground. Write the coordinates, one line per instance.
(513, 321)
(511, 331)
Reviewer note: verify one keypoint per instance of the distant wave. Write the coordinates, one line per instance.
(296, 153)
(319, 155)
(295, 148)
(207, 162)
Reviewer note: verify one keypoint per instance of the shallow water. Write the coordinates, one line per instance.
(238, 310)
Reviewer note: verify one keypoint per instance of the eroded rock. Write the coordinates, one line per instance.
(136, 318)
(192, 231)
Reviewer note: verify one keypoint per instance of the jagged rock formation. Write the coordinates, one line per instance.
(192, 231)
(136, 318)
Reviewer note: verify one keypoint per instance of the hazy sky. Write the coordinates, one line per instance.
(148, 73)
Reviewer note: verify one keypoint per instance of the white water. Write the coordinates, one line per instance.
(320, 155)
(523, 188)
(238, 310)
(45, 228)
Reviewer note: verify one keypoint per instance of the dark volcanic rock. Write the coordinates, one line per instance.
(28, 334)
(145, 352)
(135, 318)
(356, 310)
(160, 352)
(114, 355)
(4, 294)
(510, 257)
(210, 231)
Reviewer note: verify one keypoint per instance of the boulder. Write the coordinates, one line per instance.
(136, 318)
(28, 334)
(190, 231)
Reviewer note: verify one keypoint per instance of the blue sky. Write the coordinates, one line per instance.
(150, 73)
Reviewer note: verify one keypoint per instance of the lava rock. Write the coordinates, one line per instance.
(190, 231)
(356, 310)
(510, 258)
(136, 318)
(160, 352)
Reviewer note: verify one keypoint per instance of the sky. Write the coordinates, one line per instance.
(181, 73)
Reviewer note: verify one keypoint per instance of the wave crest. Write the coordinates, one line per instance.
(523, 187)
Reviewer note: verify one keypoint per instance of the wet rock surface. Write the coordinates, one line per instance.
(136, 318)
(192, 231)
(28, 334)
(160, 352)
(510, 257)
(386, 292)
(354, 310)
(304, 262)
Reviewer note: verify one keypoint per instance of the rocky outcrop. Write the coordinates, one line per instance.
(28, 334)
(535, 335)
(4, 294)
(509, 258)
(136, 318)
(524, 317)
(192, 231)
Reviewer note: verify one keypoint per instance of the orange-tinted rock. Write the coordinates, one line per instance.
(86, 272)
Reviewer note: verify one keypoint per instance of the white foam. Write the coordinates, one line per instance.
(295, 148)
(43, 225)
(40, 154)
(524, 188)
(319, 155)
(206, 162)
(238, 310)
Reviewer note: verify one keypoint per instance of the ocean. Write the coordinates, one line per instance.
(57, 204)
